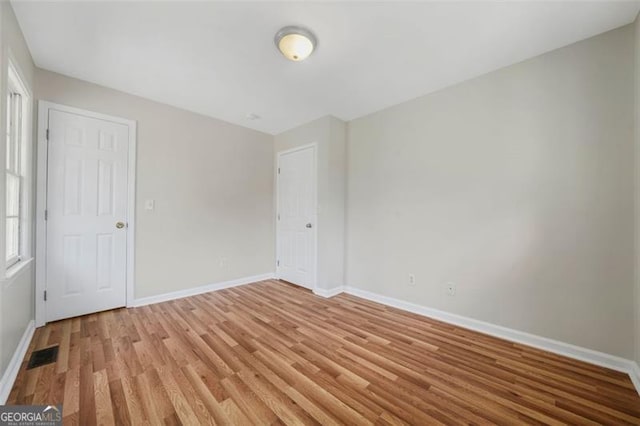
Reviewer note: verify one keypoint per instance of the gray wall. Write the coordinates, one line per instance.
(16, 293)
(212, 183)
(517, 186)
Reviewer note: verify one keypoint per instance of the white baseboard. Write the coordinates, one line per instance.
(572, 351)
(323, 292)
(10, 374)
(199, 290)
(634, 375)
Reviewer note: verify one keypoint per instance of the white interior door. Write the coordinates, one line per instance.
(297, 212)
(86, 233)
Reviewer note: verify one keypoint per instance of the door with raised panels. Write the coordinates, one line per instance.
(296, 217)
(86, 215)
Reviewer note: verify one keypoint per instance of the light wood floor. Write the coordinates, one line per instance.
(270, 353)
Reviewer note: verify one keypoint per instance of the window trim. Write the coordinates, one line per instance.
(15, 166)
(15, 83)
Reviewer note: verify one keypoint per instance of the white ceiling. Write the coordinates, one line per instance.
(219, 58)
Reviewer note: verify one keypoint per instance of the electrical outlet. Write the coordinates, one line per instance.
(451, 289)
(223, 262)
(412, 279)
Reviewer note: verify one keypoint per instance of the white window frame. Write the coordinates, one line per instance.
(14, 170)
(16, 84)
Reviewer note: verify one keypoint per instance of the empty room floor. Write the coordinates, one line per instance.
(270, 352)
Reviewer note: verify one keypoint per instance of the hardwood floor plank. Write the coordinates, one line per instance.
(184, 408)
(135, 401)
(204, 392)
(248, 401)
(87, 412)
(156, 409)
(121, 414)
(273, 353)
(71, 399)
(104, 404)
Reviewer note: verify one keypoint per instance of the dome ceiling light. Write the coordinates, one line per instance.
(295, 43)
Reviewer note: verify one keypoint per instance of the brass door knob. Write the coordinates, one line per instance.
(119, 225)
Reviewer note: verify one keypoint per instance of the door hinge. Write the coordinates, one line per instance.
(45, 295)
(47, 135)
(278, 216)
(278, 263)
(46, 214)
(278, 170)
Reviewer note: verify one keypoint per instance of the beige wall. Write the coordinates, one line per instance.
(517, 186)
(16, 292)
(636, 26)
(334, 242)
(17, 311)
(329, 134)
(212, 183)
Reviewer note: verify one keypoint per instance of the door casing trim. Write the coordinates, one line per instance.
(279, 154)
(41, 201)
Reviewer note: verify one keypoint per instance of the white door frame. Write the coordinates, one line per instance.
(41, 200)
(314, 261)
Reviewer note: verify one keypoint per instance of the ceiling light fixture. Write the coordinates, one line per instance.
(295, 43)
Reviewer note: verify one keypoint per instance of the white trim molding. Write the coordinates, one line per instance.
(10, 374)
(41, 200)
(16, 271)
(180, 294)
(634, 374)
(322, 292)
(572, 351)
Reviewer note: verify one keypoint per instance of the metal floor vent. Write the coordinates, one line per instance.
(43, 357)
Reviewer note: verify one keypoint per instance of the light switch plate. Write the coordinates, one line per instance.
(149, 204)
